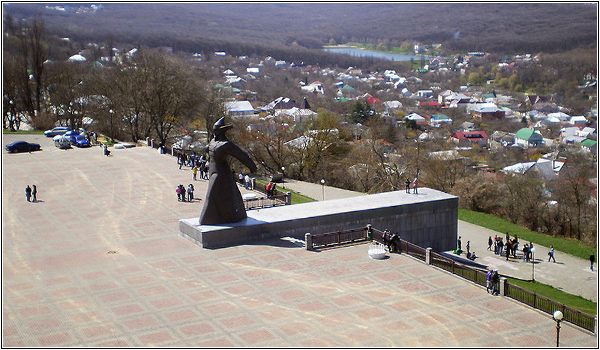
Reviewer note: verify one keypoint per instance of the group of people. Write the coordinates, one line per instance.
(244, 180)
(31, 193)
(510, 246)
(391, 240)
(491, 281)
(414, 184)
(470, 255)
(183, 193)
(198, 164)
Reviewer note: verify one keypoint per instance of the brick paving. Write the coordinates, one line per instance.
(99, 262)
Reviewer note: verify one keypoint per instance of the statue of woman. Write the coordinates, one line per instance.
(223, 203)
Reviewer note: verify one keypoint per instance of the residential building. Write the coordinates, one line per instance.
(239, 108)
(528, 138)
(486, 111)
(469, 137)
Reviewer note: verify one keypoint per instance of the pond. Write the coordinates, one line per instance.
(354, 51)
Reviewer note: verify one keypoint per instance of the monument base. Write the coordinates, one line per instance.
(428, 219)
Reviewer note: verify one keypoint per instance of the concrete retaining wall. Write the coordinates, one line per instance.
(427, 219)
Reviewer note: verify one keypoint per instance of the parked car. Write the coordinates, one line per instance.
(71, 133)
(80, 141)
(22, 146)
(62, 142)
(59, 130)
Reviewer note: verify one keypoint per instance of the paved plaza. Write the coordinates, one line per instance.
(98, 262)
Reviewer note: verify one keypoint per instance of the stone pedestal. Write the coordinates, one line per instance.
(428, 219)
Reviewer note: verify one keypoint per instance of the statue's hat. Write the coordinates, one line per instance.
(221, 126)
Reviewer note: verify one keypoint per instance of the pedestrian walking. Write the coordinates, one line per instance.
(458, 243)
(468, 247)
(182, 190)
(490, 242)
(551, 254)
(530, 252)
(178, 191)
(507, 248)
(407, 183)
(592, 259)
(205, 172)
(195, 172)
(495, 279)
(190, 192)
(247, 182)
(34, 193)
(415, 185)
(241, 178)
(488, 280)
(28, 193)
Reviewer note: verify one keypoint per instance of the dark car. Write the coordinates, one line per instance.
(22, 146)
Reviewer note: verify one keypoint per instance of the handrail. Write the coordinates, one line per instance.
(477, 276)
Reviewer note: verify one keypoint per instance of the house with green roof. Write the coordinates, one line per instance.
(590, 145)
(527, 137)
(438, 119)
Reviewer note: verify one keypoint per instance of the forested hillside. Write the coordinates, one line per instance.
(493, 27)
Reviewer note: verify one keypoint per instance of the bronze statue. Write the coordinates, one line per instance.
(223, 203)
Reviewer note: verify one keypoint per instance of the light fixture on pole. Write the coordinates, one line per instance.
(323, 186)
(557, 316)
(282, 176)
(532, 250)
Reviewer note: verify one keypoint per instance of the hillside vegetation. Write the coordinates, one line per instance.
(493, 27)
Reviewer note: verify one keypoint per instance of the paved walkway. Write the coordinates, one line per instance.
(569, 273)
(99, 262)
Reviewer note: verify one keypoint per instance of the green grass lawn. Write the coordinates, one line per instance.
(568, 246)
(573, 301)
(297, 198)
(564, 245)
(37, 132)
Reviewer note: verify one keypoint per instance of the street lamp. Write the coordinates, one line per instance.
(283, 175)
(323, 186)
(532, 250)
(557, 316)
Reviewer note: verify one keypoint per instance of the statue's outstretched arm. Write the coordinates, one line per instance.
(243, 157)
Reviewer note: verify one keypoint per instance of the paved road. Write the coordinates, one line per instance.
(99, 262)
(571, 274)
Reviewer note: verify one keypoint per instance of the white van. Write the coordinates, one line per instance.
(62, 142)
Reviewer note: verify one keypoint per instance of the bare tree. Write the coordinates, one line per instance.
(34, 53)
(573, 192)
(171, 95)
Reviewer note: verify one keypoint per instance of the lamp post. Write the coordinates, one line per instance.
(557, 316)
(283, 175)
(323, 186)
(532, 250)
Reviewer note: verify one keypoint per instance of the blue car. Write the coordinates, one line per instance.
(80, 141)
(22, 146)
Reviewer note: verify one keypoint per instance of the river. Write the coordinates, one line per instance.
(353, 51)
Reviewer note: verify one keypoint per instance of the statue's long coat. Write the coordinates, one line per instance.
(223, 203)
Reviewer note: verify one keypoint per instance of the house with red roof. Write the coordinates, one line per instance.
(470, 137)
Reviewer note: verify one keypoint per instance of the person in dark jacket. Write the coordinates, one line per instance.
(28, 193)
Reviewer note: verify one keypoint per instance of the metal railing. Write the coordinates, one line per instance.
(475, 275)
(547, 305)
(322, 240)
(266, 202)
